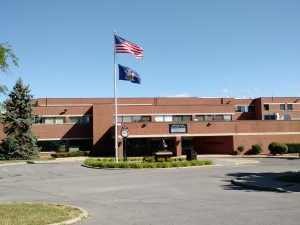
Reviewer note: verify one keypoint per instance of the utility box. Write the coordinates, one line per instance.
(191, 155)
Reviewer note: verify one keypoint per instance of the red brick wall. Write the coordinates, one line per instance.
(62, 131)
(214, 145)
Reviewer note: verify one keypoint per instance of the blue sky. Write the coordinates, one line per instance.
(198, 48)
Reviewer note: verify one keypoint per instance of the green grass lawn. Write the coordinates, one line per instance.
(35, 213)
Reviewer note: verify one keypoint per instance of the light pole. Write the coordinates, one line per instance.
(124, 134)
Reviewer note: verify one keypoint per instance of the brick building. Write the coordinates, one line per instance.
(207, 125)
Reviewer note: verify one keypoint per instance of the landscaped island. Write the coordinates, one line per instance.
(137, 164)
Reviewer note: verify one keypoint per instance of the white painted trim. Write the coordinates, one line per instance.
(62, 139)
(66, 105)
(57, 115)
(133, 104)
(175, 114)
(216, 134)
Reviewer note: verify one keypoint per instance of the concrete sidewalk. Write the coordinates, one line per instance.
(268, 182)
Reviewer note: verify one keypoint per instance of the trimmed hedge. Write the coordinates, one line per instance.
(99, 163)
(256, 149)
(293, 147)
(278, 148)
(241, 148)
(70, 154)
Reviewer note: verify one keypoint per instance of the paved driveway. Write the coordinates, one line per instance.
(186, 196)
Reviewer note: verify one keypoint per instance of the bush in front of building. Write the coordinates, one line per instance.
(256, 149)
(99, 163)
(241, 148)
(293, 147)
(278, 148)
(70, 154)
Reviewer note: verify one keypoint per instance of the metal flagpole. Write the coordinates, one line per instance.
(116, 101)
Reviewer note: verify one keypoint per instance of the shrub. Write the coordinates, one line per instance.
(183, 163)
(256, 149)
(165, 165)
(136, 165)
(99, 163)
(241, 148)
(161, 159)
(277, 148)
(149, 165)
(293, 147)
(9, 148)
(148, 159)
(169, 160)
(134, 159)
(124, 165)
(208, 162)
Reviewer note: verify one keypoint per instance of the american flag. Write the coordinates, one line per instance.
(124, 46)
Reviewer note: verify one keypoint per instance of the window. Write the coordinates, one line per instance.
(129, 119)
(119, 120)
(289, 107)
(209, 117)
(200, 117)
(80, 119)
(227, 117)
(163, 118)
(159, 118)
(270, 117)
(282, 106)
(251, 108)
(53, 120)
(175, 118)
(168, 118)
(245, 108)
(266, 107)
(218, 117)
(182, 118)
(146, 118)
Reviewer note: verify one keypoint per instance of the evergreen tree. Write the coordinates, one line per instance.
(20, 142)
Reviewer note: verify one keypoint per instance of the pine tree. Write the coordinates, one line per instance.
(20, 142)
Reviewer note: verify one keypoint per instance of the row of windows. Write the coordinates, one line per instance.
(62, 120)
(128, 119)
(174, 118)
(244, 108)
(281, 107)
(214, 117)
(169, 118)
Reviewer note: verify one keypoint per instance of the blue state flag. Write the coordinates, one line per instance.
(128, 74)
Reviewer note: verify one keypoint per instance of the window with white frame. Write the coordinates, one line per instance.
(53, 120)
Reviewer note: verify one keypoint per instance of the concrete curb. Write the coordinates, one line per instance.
(82, 216)
(240, 182)
(56, 160)
(13, 164)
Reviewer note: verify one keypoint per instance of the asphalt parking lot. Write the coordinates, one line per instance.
(202, 195)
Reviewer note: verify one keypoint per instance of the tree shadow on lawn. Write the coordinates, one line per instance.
(286, 181)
